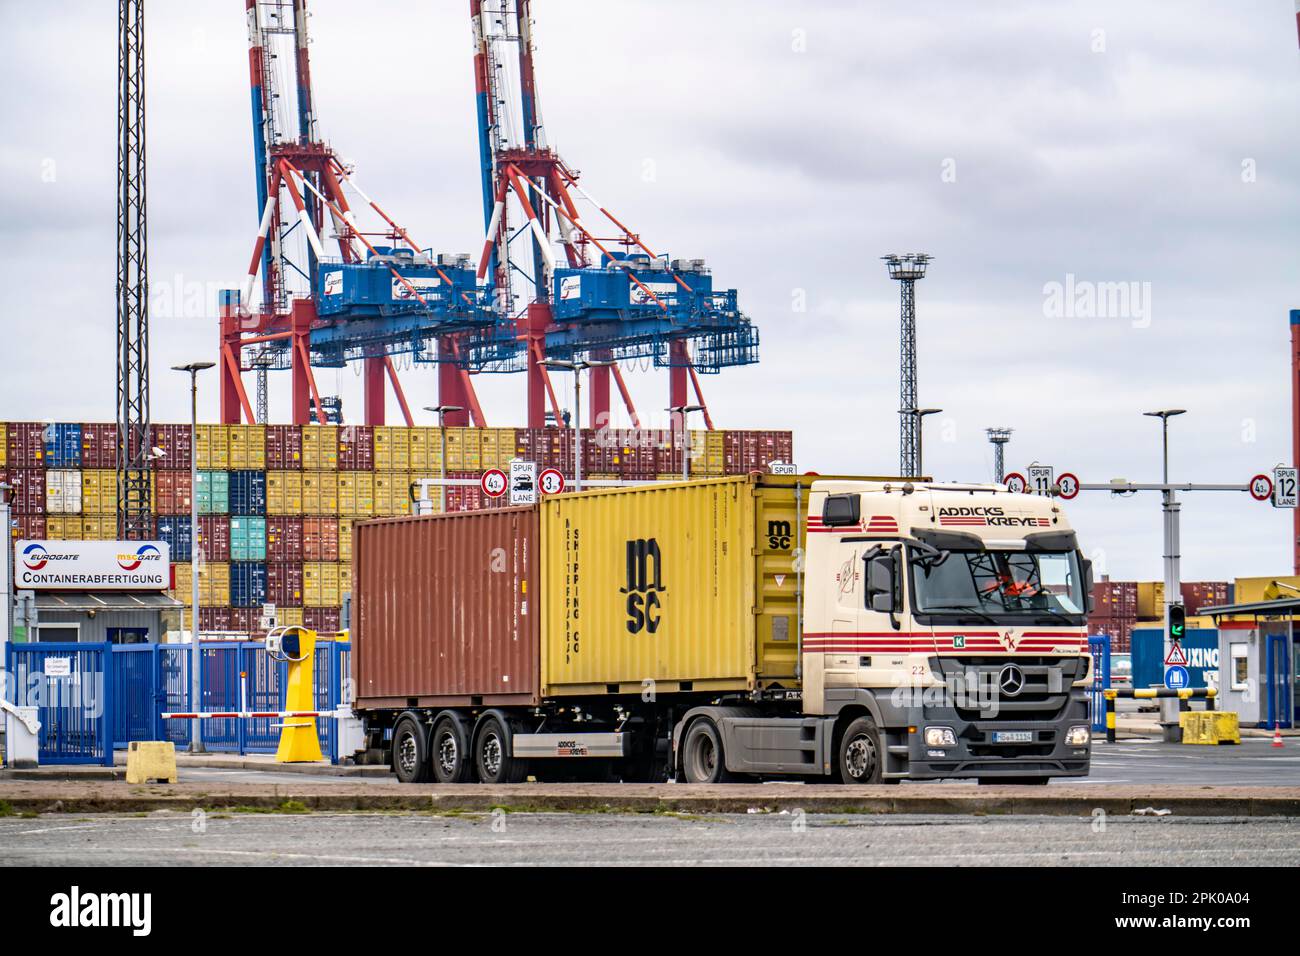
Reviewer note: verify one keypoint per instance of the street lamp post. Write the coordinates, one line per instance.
(683, 411)
(920, 414)
(196, 684)
(577, 367)
(441, 411)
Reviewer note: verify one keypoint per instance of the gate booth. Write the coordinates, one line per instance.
(1257, 655)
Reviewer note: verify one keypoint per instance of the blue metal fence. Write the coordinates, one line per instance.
(148, 680)
(1099, 648)
(71, 686)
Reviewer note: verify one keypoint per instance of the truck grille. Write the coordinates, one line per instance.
(1037, 689)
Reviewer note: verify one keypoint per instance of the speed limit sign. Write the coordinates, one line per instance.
(1068, 484)
(550, 481)
(1261, 487)
(493, 483)
(1016, 483)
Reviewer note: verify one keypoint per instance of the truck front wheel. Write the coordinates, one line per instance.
(860, 754)
(703, 760)
(410, 752)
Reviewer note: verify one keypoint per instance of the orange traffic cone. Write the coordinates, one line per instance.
(1277, 736)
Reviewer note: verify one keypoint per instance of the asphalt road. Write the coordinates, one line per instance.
(532, 839)
(1253, 762)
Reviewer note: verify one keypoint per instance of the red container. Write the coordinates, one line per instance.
(172, 492)
(26, 444)
(215, 619)
(284, 584)
(320, 539)
(416, 598)
(175, 440)
(1199, 594)
(214, 537)
(99, 445)
(284, 539)
(356, 448)
(28, 527)
(324, 620)
(460, 497)
(29, 490)
(283, 447)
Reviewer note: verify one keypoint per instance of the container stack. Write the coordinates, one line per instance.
(277, 503)
(1114, 612)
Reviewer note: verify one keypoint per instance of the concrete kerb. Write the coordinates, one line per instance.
(112, 797)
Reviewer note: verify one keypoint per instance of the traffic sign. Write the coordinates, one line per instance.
(523, 482)
(1068, 484)
(1261, 487)
(1176, 678)
(1176, 657)
(1284, 486)
(494, 483)
(781, 468)
(550, 481)
(1041, 479)
(1016, 483)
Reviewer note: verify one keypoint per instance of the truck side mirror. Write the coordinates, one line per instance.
(1087, 584)
(881, 583)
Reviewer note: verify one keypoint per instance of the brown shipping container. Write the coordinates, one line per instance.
(283, 447)
(428, 628)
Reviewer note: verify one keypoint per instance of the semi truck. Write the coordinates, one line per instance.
(855, 629)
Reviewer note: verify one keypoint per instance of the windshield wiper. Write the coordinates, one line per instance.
(964, 608)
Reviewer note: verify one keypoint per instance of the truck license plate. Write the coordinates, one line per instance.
(1013, 736)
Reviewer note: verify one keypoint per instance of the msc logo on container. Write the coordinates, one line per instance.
(645, 586)
(779, 534)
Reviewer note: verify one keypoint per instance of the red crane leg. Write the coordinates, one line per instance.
(532, 329)
(598, 392)
(375, 371)
(230, 386)
(300, 320)
(451, 386)
(678, 378)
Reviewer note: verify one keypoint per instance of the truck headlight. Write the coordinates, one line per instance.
(1078, 736)
(940, 737)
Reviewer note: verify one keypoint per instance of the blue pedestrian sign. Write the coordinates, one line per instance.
(1176, 677)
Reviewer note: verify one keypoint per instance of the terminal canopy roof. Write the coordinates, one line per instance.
(105, 601)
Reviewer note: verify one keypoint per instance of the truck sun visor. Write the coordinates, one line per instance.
(949, 540)
(1051, 541)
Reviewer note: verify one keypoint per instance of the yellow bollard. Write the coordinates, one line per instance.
(299, 742)
(150, 760)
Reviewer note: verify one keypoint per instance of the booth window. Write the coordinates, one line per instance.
(1240, 666)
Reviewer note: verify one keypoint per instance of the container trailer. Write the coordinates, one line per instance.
(855, 629)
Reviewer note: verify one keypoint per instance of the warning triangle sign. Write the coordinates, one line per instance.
(780, 579)
(1176, 656)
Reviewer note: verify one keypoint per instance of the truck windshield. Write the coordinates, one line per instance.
(1000, 583)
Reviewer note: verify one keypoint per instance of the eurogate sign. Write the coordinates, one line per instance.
(92, 565)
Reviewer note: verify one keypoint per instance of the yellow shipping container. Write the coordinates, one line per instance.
(248, 446)
(345, 578)
(320, 448)
(4, 445)
(345, 539)
(284, 493)
(288, 616)
(98, 527)
(357, 493)
(63, 528)
(320, 493)
(181, 592)
(213, 445)
(393, 448)
(320, 584)
(99, 491)
(675, 582)
(1151, 599)
(214, 584)
(1248, 590)
(419, 440)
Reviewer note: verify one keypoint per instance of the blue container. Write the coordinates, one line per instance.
(1200, 645)
(175, 530)
(247, 583)
(62, 446)
(247, 492)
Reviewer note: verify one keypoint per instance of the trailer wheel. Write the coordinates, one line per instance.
(492, 754)
(410, 752)
(860, 757)
(449, 752)
(703, 760)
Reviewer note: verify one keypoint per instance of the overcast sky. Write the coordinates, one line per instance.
(790, 145)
